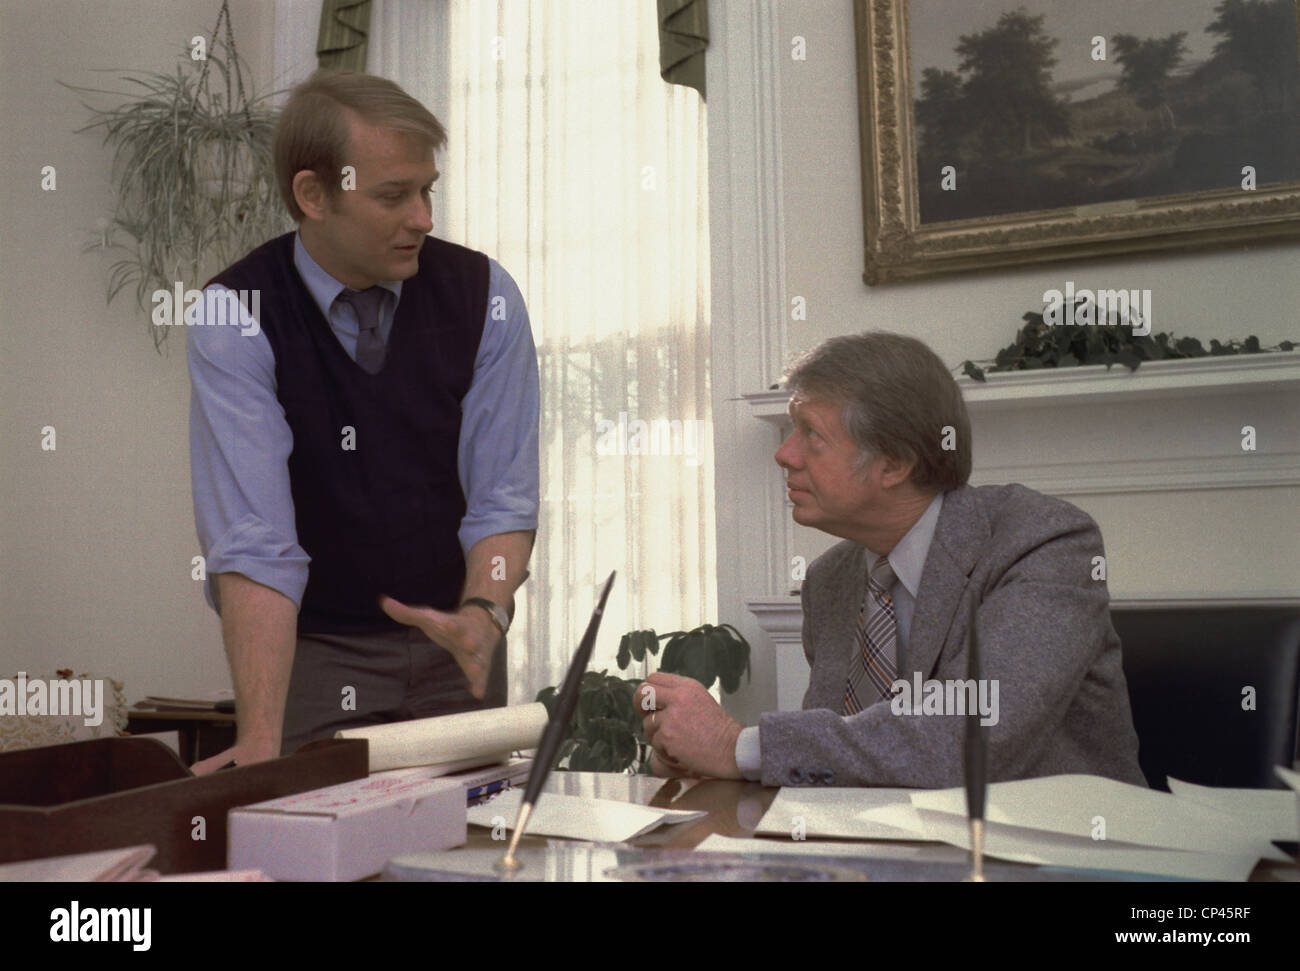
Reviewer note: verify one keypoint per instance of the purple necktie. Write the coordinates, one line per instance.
(370, 346)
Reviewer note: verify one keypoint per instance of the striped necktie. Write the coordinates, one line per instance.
(874, 666)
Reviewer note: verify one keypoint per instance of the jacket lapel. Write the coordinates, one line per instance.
(958, 536)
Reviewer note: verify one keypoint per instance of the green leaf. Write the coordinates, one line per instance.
(1128, 359)
(968, 368)
(670, 661)
(649, 642)
(698, 659)
(547, 697)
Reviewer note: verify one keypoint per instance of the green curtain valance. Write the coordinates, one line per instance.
(683, 37)
(344, 29)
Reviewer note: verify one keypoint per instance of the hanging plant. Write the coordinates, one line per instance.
(193, 173)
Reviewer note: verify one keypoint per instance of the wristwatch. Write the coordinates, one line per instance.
(495, 611)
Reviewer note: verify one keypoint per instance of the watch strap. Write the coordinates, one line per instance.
(495, 611)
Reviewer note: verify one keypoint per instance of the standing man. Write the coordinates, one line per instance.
(365, 460)
(879, 456)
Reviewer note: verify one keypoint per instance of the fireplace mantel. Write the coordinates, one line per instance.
(1093, 430)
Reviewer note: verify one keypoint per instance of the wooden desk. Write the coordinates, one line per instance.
(734, 809)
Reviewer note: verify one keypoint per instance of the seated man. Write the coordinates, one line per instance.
(880, 456)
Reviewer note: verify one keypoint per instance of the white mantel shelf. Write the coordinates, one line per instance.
(1168, 426)
(1272, 371)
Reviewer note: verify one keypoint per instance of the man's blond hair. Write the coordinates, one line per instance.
(314, 127)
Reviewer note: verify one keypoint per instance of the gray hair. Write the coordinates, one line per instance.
(898, 399)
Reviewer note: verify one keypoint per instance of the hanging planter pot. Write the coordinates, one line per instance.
(224, 169)
(194, 180)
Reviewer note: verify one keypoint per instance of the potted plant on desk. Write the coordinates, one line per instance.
(606, 733)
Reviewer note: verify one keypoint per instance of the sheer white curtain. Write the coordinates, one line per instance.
(578, 168)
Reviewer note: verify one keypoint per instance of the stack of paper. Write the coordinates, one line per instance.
(1077, 821)
(104, 866)
(577, 817)
(835, 813)
(126, 865)
(1271, 813)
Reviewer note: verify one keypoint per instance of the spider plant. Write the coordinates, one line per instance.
(193, 174)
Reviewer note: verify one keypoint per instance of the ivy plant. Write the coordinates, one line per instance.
(1040, 345)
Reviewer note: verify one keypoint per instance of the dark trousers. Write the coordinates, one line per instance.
(393, 676)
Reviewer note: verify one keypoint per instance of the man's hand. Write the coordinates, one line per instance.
(667, 768)
(468, 634)
(688, 730)
(241, 753)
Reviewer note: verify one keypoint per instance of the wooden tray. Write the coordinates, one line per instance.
(107, 793)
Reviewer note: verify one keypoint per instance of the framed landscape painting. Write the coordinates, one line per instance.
(1007, 132)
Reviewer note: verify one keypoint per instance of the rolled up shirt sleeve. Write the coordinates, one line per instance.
(239, 454)
(497, 457)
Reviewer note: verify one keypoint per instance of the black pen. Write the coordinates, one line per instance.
(975, 756)
(556, 729)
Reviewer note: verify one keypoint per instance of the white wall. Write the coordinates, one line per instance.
(806, 239)
(95, 537)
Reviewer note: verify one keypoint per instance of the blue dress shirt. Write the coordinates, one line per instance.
(240, 441)
(908, 562)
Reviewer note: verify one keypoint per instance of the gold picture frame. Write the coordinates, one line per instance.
(900, 247)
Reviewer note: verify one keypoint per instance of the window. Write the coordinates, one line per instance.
(572, 163)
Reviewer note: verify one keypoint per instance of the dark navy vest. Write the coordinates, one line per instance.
(381, 517)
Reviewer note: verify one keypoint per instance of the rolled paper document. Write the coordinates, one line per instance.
(487, 734)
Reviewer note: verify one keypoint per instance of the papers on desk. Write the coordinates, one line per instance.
(927, 853)
(1077, 821)
(1269, 812)
(578, 817)
(1103, 810)
(1289, 776)
(126, 865)
(835, 813)
(1023, 845)
(106, 866)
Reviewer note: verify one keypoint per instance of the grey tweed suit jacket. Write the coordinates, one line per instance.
(1045, 635)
